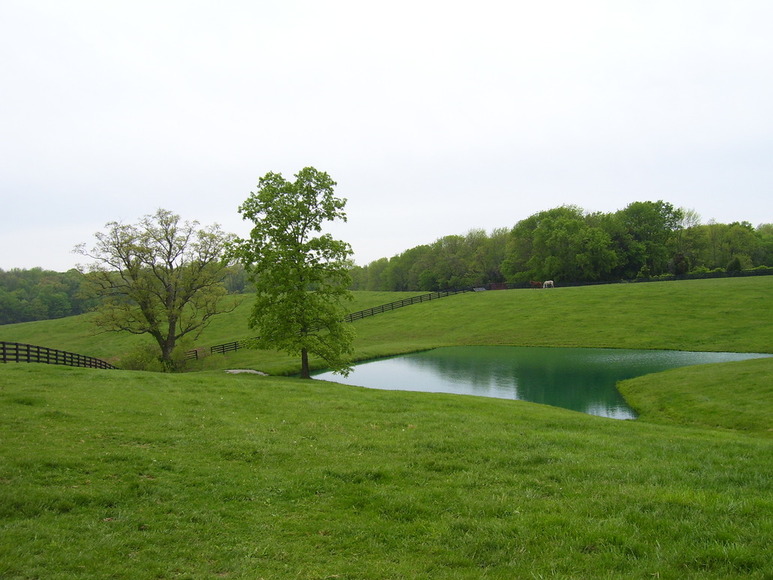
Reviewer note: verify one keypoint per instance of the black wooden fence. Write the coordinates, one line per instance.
(400, 303)
(351, 317)
(29, 353)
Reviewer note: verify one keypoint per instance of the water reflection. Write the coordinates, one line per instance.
(581, 379)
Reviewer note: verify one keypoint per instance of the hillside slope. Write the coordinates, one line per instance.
(730, 314)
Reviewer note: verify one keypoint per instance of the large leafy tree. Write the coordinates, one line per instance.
(650, 228)
(561, 244)
(301, 275)
(159, 277)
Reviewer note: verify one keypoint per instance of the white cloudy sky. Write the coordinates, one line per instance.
(434, 116)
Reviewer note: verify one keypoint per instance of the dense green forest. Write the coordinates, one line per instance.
(38, 294)
(568, 245)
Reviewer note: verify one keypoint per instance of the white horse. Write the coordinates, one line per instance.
(548, 284)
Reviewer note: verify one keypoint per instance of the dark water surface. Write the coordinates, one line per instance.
(581, 379)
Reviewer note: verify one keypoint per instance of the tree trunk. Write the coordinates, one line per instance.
(166, 346)
(166, 357)
(305, 364)
(170, 341)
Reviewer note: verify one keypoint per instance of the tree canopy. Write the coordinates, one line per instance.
(37, 294)
(301, 275)
(566, 244)
(159, 277)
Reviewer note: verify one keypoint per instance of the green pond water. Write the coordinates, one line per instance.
(581, 379)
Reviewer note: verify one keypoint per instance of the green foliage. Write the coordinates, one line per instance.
(734, 265)
(38, 294)
(142, 358)
(679, 265)
(236, 280)
(650, 228)
(566, 244)
(301, 279)
(450, 262)
(561, 245)
(159, 277)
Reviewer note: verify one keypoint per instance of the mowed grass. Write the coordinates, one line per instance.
(737, 395)
(117, 474)
(699, 315)
(139, 475)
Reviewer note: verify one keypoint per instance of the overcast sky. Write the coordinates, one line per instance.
(434, 117)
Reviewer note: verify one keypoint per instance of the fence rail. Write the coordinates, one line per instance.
(30, 353)
(399, 304)
(227, 347)
(351, 317)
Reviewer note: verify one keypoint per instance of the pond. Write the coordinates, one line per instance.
(581, 379)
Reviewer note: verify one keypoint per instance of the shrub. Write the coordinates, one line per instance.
(762, 270)
(142, 358)
(679, 265)
(180, 355)
(734, 265)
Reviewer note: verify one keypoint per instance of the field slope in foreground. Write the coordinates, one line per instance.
(138, 475)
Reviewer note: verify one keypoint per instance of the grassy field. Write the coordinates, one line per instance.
(699, 315)
(141, 475)
(78, 334)
(125, 474)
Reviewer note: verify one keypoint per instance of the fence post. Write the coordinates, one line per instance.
(30, 353)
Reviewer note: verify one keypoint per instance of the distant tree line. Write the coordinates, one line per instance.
(566, 244)
(37, 294)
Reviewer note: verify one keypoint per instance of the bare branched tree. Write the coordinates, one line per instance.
(159, 277)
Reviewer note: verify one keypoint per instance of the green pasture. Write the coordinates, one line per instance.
(121, 474)
(730, 314)
(699, 315)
